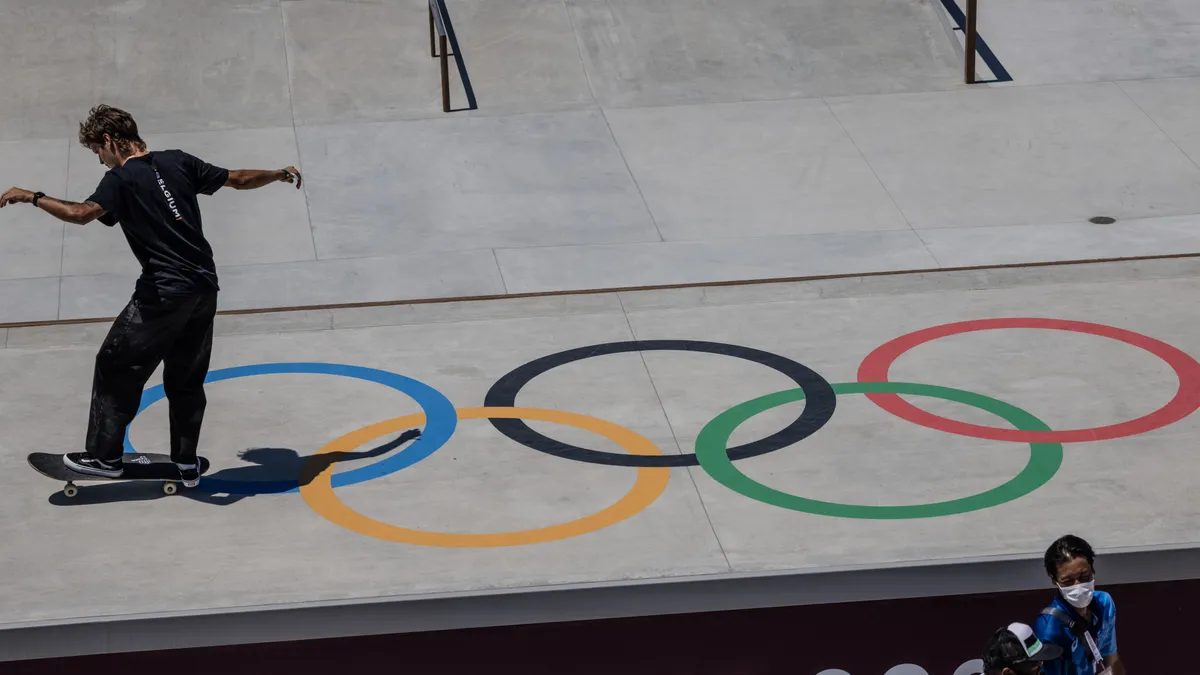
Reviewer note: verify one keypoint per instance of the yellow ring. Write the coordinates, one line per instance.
(650, 484)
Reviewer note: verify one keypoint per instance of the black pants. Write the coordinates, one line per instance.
(177, 333)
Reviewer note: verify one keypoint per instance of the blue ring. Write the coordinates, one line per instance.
(441, 419)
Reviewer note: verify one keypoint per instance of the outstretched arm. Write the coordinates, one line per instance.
(252, 179)
(76, 213)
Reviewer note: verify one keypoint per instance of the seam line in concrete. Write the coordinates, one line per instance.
(468, 321)
(287, 63)
(62, 249)
(1158, 126)
(633, 178)
(925, 244)
(62, 252)
(616, 143)
(500, 271)
(955, 87)
(57, 310)
(879, 180)
(661, 406)
(587, 77)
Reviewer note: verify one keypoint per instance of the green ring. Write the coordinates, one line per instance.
(711, 444)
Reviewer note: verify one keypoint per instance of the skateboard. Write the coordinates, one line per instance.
(138, 466)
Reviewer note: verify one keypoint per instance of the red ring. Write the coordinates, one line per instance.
(875, 366)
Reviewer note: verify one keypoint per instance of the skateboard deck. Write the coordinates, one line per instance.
(138, 466)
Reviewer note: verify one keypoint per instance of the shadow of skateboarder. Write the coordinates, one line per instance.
(271, 471)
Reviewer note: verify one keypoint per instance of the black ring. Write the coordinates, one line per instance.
(819, 402)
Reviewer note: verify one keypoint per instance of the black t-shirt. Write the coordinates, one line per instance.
(153, 197)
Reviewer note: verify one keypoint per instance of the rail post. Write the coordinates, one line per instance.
(441, 34)
(437, 38)
(971, 37)
(445, 75)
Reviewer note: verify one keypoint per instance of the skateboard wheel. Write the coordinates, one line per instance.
(170, 488)
(70, 490)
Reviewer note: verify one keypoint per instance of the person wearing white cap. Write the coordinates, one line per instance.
(1015, 650)
(1080, 619)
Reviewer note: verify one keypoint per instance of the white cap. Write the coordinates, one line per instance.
(1035, 649)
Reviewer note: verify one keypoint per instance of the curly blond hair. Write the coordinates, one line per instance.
(118, 124)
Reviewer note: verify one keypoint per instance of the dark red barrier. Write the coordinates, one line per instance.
(1155, 626)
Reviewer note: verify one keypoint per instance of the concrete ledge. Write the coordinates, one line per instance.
(381, 616)
(1127, 268)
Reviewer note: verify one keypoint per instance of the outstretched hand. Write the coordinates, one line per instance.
(16, 196)
(292, 175)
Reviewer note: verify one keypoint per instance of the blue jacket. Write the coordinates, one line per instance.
(1074, 660)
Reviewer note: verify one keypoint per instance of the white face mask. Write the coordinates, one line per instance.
(1079, 595)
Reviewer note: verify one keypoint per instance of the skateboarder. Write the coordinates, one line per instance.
(169, 319)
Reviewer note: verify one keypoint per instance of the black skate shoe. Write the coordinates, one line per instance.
(190, 473)
(85, 463)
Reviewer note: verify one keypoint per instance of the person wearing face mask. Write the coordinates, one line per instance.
(1080, 619)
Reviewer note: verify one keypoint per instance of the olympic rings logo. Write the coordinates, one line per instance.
(712, 453)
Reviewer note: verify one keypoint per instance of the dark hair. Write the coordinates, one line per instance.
(118, 124)
(1065, 548)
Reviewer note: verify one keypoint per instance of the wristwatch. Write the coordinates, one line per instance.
(37, 196)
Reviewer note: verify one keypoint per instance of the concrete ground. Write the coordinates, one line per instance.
(484, 514)
(617, 144)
